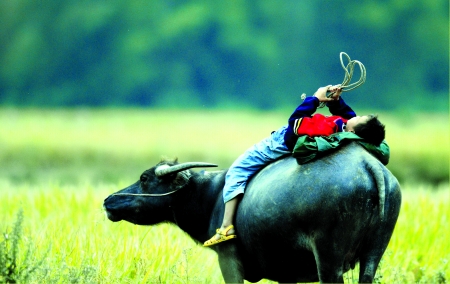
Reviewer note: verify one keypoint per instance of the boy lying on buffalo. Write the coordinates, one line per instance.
(282, 142)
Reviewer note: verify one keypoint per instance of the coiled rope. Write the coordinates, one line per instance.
(348, 69)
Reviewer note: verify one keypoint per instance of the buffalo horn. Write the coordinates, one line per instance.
(166, 169)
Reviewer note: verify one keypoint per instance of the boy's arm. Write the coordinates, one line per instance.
(306, 109)
(340, 108)
(310, 104)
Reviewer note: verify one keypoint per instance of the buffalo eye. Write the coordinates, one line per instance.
(143, 178)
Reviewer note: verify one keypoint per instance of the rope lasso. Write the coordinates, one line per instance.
(348, 69)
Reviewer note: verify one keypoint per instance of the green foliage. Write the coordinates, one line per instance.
(82, 273)
(13, 268)
(195, 54)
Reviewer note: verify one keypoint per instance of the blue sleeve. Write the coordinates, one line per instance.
(341, 109)
(306, 109)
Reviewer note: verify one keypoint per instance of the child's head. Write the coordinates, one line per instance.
(367, 127)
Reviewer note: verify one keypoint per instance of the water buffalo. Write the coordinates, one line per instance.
(295, 223)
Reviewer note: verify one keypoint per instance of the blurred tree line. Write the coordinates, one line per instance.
(199, 53)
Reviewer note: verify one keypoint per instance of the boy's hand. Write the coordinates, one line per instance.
(336, 90)
(321, 93)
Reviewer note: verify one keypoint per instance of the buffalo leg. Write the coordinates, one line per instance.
(368, 268)
(230, 262)
(377, 242)
(329, 263)
(370, 257)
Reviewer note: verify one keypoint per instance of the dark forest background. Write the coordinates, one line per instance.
(221, 54)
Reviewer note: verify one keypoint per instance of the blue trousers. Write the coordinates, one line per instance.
(252, 160)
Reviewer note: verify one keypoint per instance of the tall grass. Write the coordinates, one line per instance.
(59, 165)
(420, 248)
(87, 248)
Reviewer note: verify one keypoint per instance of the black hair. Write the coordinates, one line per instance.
(372, 131)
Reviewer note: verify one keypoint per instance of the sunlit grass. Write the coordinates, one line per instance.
(419, 248)
(36, 145)
(134, 130)
(70, 222)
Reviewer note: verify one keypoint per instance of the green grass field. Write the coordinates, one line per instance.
(58, 166)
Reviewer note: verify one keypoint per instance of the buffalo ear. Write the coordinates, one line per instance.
(181, 179)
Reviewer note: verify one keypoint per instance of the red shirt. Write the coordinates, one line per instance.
(319, 125)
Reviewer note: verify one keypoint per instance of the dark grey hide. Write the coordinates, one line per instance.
(295, 223)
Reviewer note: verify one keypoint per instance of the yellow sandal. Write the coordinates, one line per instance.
(223, 237)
